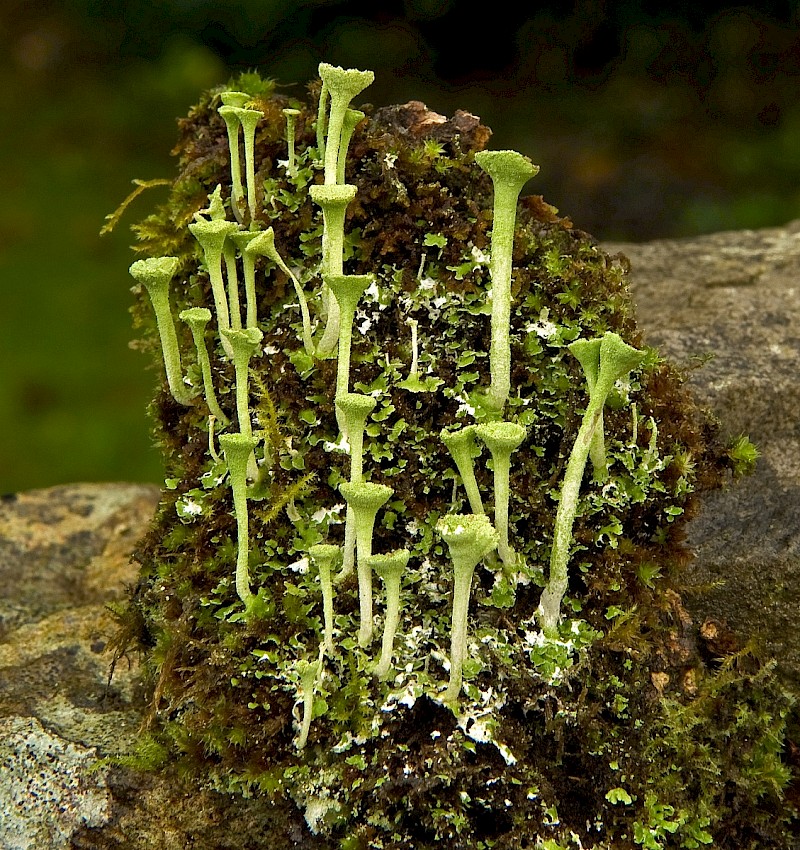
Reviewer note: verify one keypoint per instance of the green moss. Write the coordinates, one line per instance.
(550, 737)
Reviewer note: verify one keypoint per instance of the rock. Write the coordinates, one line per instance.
(65, 554)
(735, 298)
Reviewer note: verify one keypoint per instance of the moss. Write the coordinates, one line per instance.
(550, 738)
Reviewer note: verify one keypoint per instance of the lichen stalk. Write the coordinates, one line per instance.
(324, 557)
(352, 410)
(469, 537)
(347, 290)
(509, 171)
(264, 244)
(309, 673)
(342, 86)
(333, 200)
(366, 500)
(462, 447)
(291, 117)
(390, 568)
(616, 359)
(352, 117)
(244, 344)
(197, 318)
(238, 449)
(242, 240)
(212, 235)
(502, 438)
(155, 274)
(229, 255)
(231, 102)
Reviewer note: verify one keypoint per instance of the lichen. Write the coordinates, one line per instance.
(601, 735)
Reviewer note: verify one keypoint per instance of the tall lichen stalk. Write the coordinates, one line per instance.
(522, 607)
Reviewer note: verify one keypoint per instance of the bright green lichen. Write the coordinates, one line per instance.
(540, 736)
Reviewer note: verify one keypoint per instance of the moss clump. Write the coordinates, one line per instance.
(587, 740)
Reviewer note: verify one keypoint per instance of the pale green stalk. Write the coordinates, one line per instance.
(502, 438)
(212, 235)
(309, 673)
(242, 241)
(325, 557)
(342, 86)
(347, 289)
(351, 120)
(197, 318)
(155, 274)
(366, 500)
(461, 445)
(264, 245)
(291, 117)
(233, 101)
(322, 120)
(509, 171)
(352, 410)
(229, 254)
(244, 343)
(333, 200)
(469, 537)
(238, 449)
(390, 568)
(616, 359)
(249, 119)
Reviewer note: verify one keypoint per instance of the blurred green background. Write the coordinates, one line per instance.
(647, 119)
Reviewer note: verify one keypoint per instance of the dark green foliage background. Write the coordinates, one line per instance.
(646, 121)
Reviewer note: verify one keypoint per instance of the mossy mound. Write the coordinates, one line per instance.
(617, 735)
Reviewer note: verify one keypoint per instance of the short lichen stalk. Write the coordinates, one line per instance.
(155, 274)
(611, 360)
(309, 673)
(366, 500)
(347, 289)
(469, 537)
(463, 449)
(509, 171)
(231, 102)
(197, 318)
(502, 439)
(291, 117)
(244, 344)
(390, 568)
(325, 556)
(352, 117)
(333, 201)
(243, 241)
(341, 87)
(352, 410)
(212, 235)
(238, 449)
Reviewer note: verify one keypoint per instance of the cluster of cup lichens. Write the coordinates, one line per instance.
(470, 537)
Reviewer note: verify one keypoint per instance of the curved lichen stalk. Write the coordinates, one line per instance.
(615, 360)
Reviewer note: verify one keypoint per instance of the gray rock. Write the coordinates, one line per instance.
(735, 297)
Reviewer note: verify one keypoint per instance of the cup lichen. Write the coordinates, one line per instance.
(565, 698)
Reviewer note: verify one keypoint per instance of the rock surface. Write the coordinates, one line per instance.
(64, 555)
(735, 298)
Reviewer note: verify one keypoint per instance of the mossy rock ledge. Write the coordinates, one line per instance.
(631, 730)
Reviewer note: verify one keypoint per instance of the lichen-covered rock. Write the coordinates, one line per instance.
(608, 732)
